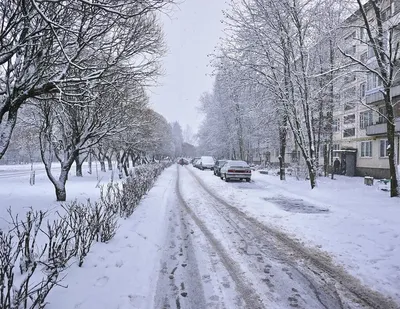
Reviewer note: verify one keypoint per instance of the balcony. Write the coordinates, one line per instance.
(376, 96)
(380, 128)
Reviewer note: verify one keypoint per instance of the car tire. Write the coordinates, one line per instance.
(248, 179)
(226, 179)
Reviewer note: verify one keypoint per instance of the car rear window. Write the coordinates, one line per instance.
(207, 160)
(238, 164)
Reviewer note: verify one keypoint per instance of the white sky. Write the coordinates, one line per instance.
(192, 31)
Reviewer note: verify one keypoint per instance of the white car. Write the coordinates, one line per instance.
(207, 163)
(235, 170)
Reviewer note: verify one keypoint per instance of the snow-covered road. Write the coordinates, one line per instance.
(266, 268)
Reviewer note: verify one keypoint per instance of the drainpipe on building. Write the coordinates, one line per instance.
(398, 149)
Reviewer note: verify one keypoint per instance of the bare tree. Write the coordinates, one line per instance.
(50, 47)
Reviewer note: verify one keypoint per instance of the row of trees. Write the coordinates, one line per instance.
(74, 77)
(280, 72)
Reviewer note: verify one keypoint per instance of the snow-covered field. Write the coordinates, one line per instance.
(356, 224)
(17, 193)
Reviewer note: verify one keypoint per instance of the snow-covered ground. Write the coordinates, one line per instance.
(184, 248)
(17, 193)
(356, 224)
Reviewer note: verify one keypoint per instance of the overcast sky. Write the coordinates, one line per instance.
(191, 33)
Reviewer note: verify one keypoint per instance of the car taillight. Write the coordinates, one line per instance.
(231, 171)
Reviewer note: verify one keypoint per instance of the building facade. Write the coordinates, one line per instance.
(359, 119)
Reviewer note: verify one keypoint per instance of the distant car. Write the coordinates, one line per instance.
(207, 163)
(183, 161)
(235, 170)
(197, 163)
(217, 167)
(194, 160)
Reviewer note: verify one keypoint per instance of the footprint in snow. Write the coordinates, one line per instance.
(102, 281)
(119, 264)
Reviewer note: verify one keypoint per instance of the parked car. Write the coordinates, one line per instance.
(235, 170)
(217, 167)
(194, 160)
(197, 163)
(206, 162)
(183, 161)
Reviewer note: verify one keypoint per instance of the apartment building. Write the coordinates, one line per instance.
(360, 138)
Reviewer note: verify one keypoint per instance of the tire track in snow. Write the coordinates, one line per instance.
(179, 283)
(248, 294)
(337, 280)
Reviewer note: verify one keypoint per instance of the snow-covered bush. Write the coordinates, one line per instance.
(139, 182)
(80, 220)
(19, 249)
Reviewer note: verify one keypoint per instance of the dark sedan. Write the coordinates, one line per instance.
(217, 167)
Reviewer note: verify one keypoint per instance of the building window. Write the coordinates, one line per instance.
(350, 78)
(353, 35)
(366, 149)
(349, 132)
(348, 119)
(382, 115)
(372, 81)
(336, 125)
(335, 149)
(348, 94)
(386, 14)
(366, 119)
(295, 156)
(384, 152)
(371, 52)
(364, 57)
(363, 34)
(349, 105)
(362, 90)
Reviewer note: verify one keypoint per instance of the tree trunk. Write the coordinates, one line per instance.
(102, 165)
(326, 160)
(109, 162)
(394, 190)
(6, 129)
(312, 174)
(332, 48)
(78, 166)
(90, 162)
(126, 171)
(61, 193)
(134, 159)
(282, 148)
